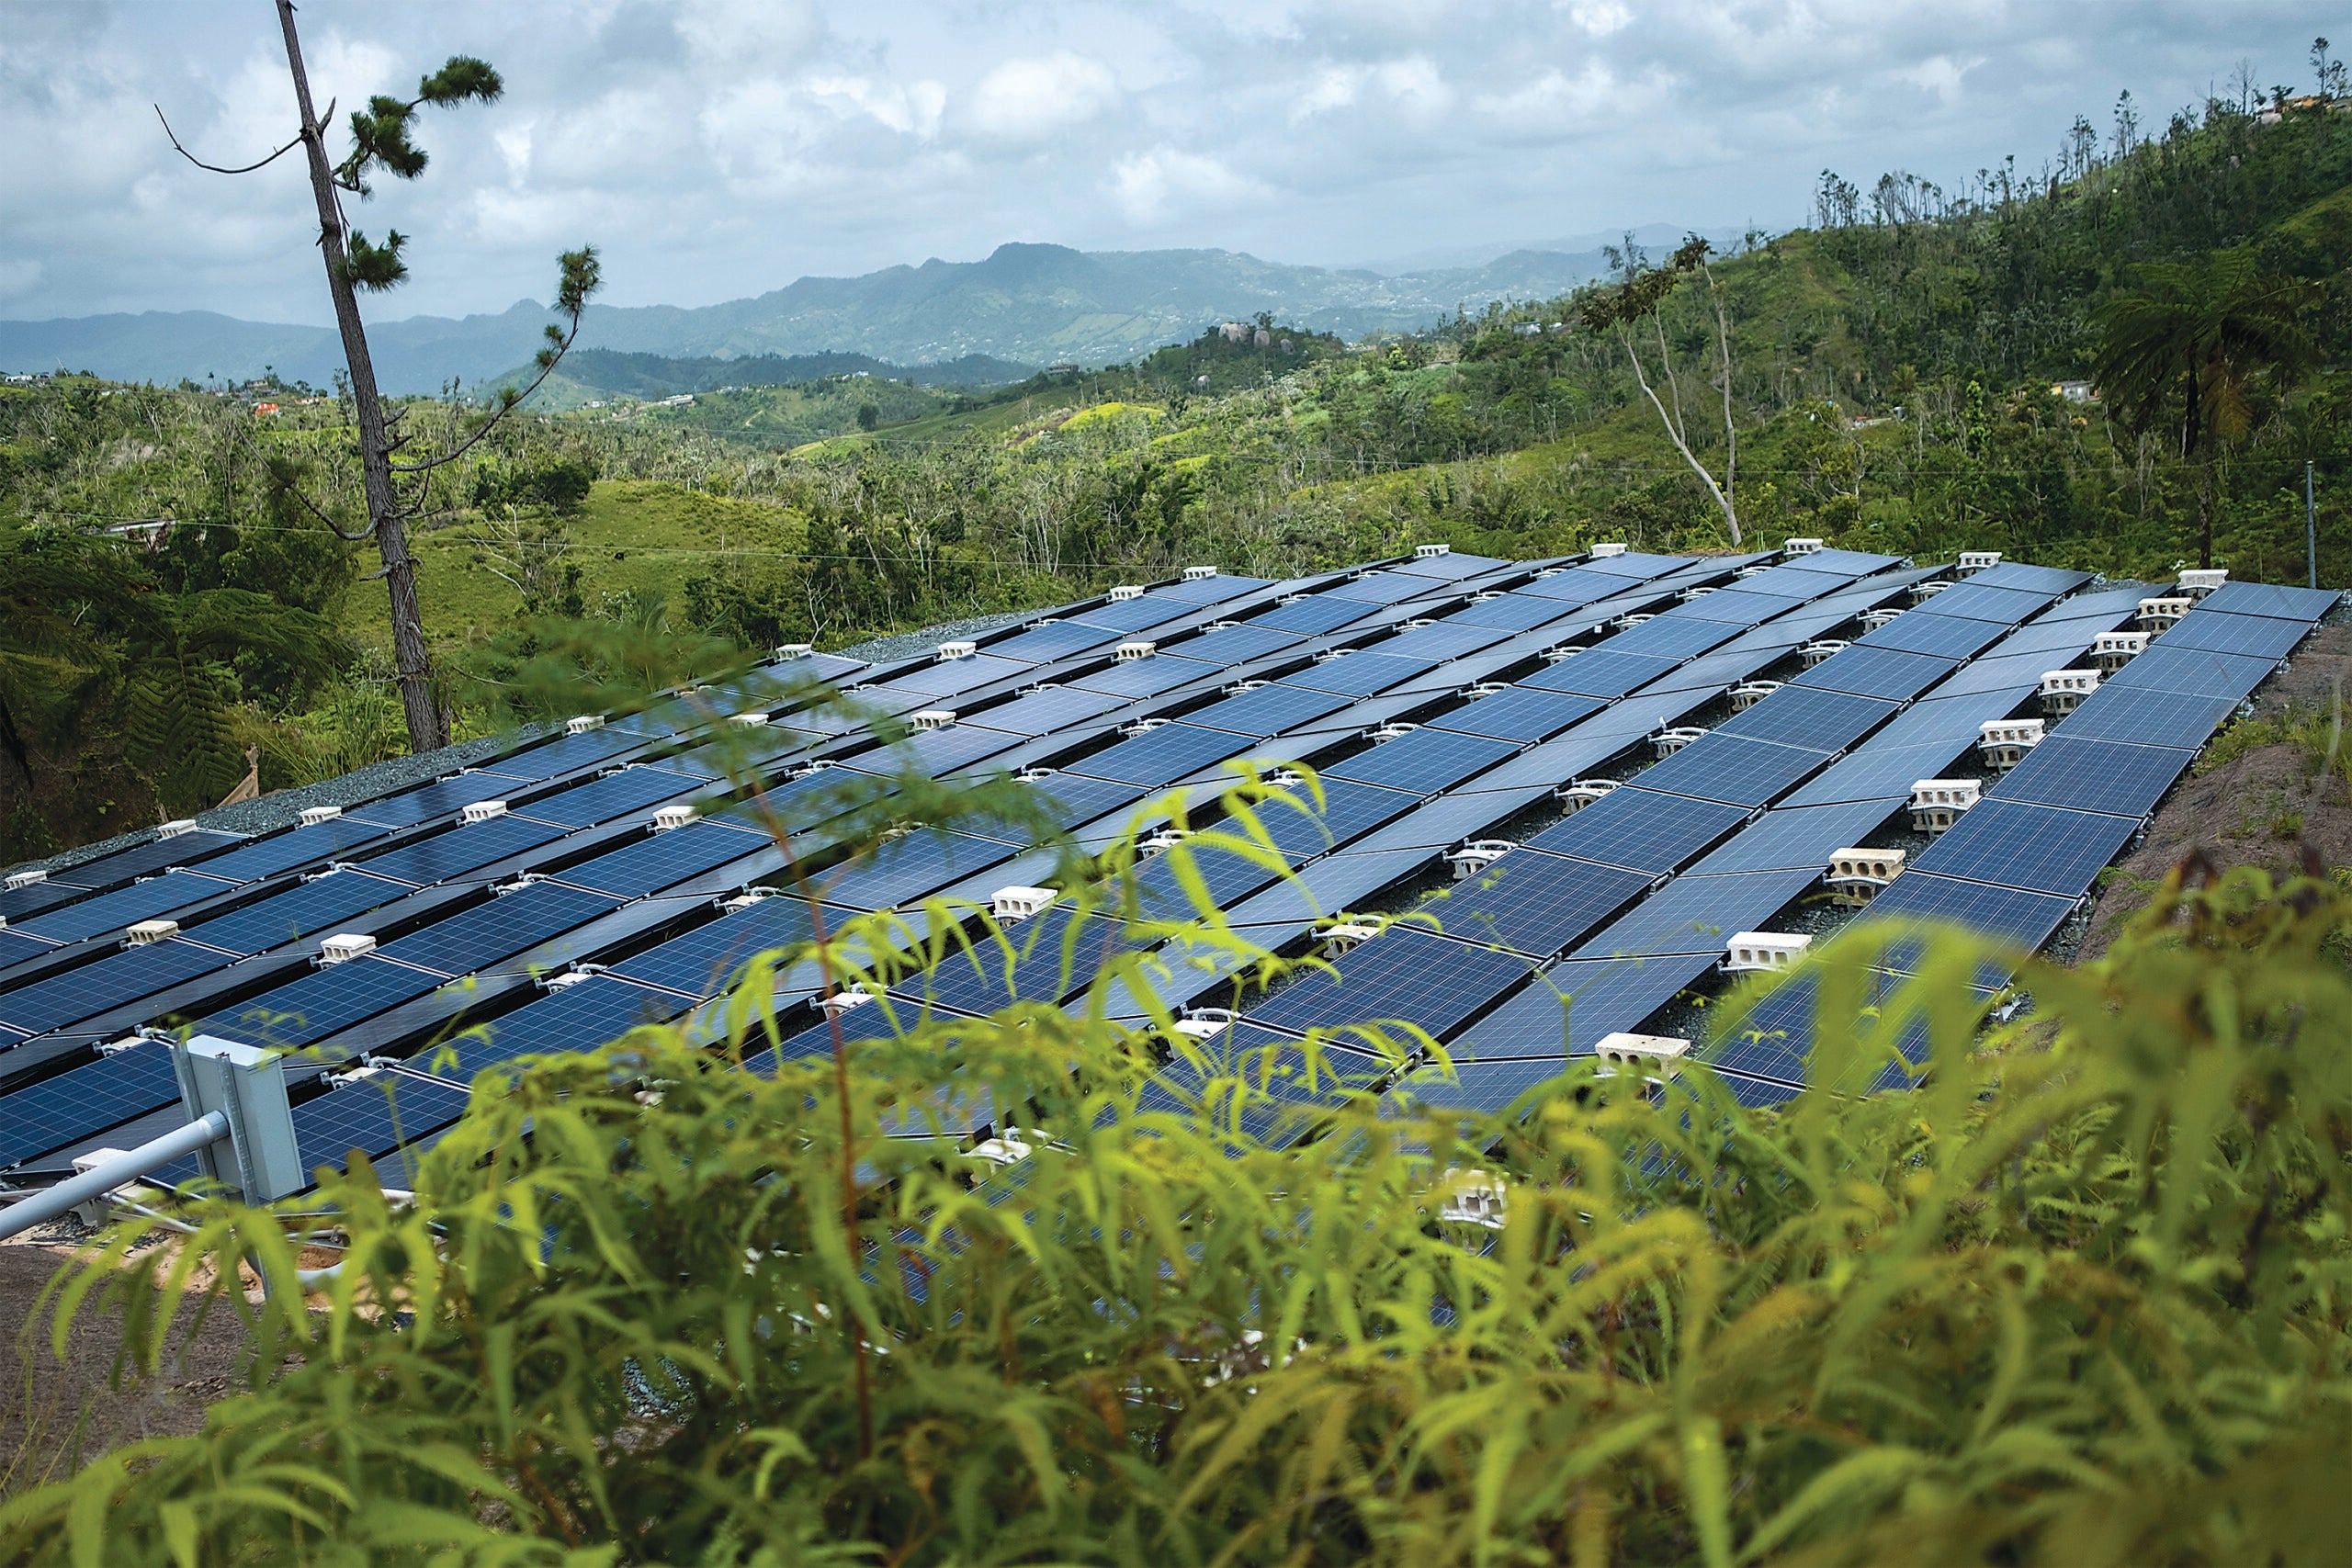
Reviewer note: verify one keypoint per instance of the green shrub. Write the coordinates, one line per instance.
(2079, 1299)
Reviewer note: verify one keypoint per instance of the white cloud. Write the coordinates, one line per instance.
(1941, 75)
(1024, 100)
(1600, 17)
(1412, 87)
(911, 110)
(1162, 184)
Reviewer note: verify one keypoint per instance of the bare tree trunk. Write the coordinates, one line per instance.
(384, 516)
(1673, 434)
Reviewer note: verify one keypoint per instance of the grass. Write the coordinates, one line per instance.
(2317, 729)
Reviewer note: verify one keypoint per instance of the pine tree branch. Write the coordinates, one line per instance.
(217, 169)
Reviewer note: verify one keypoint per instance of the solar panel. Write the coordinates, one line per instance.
(1877, 771)
(298, 846)
(1336, 882)
(1450, 566)
(1733, 608)
(16, 947)
(1359, 675)
(701, 961)
(2097, 775)
(1449, 818)
(909, 867)
(1804, 716)
(1423, 761)
(1060, 640)
(1054, 956)
(2305, 604)
(1210, 589)
(1534, 903)
(2016, 844)
(934, 751)
(1347, 811)
(2193, 671)
(1699, 914)
(1983, 602)
(19, 904)
(1268, 711)
(1800, 836)
(1731, 768)
(949, 676)
(1635, 564)
(1715, 672)
(1314, 614)
(1387, 588)
(1671, 638)
(2254, 637)
(1878, 672)
(561, 755)
(1484, 1088)
(87, 1100)
(665, 860)
(1578, 585)
(616, 794)
(2149, 717)
(2016, 674)
(1441, 641)
(109, 982)
(2044, 579)
(1070, 800)
(1599, 673)
(1515, 610)
(1641, 830)
(1401, 973)
(1571, 1005)
(104, 912)
(2014, 915)
(1520, 714)
(1044, 710)
(1225, 877)
(1161, 756)
(1235, 645)
(1146, 677)
(157, 854)
(306, 1010)
(462, 850)
(507, 925)
(1942, 637)
(373, 1114)
(2113, 604)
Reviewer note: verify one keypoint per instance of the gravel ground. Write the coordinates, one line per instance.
(883, 650)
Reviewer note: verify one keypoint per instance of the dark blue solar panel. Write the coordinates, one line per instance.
(665, 860)
(1235, 645)
(284, 852)
(1731, 768)
(1810, 717)
(373, 1115)
(1057, 642)
(2044, 579)
(507, 925)
(2113, 605)
(700, 962)
(2010, 914)
(1160, 756)
(109, 982)
(1401, 973)
(2193, 672)
(1642, 829)
(1572, 1005)
(583, 1017)
(1515, 612)
(910, 866)
(1575, 586)
(1715, 672)
(1449, 818)
(1229, 878)
(1731, 607)
(1070, 800)
(18, 904)
(1670, 637)
(616, 794)
(1878, 672)
(1044, 711)
(1943, 637)
(2015, 844)
(1982, 602)
(439, 799)
(1210, 589)
(1441, 641)
(306, 1010)
(1146, 677)
(1314, 613)
(1347, 811)
(1286, 1088)
(1359, 675)
(2097, 775)
(2306, 604)
(1879, 770)
(1387, 588)
(1518, 714)
(1054, 957)
(462, 850)
(155, 854)
(1487, 1087)
(16, 947)
(1533, 903)
(2018, 674)
(1700, 914)
(1332, 885)
(1449, 567)
(2255, 637)
(281, 918)
(1137, 614)
(1423, 761)
(1796, 836)
(1268, 711)
(88, 1100)
(949, 676)
(107, 913)
(1599, 673)
(560, 756)
(1635, 564)
(2149, 717)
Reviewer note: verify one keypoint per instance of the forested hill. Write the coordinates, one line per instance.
(1891, 375)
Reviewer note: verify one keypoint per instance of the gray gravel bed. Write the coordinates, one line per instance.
(906, 645)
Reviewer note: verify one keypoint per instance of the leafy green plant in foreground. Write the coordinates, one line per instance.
(2080, 1298)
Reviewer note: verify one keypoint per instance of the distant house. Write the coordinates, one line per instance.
(1061, 369)
(267, 411)
(2075, 391)
(683, 400)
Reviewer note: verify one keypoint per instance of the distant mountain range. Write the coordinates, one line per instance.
(1025, 304)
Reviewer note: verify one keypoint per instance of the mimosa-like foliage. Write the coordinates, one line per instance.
(2079, 1299)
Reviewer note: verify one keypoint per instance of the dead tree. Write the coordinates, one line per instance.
(392, 478)
(1640, 298)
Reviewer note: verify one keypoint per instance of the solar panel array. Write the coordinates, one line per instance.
(1732, 721)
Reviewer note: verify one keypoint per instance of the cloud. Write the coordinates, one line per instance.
(1024, 100)
(1600, 17)
(1941, 75)
(1413, 87)
(911, 110)
(1152, 187)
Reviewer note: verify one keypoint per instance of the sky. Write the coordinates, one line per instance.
(714, 148)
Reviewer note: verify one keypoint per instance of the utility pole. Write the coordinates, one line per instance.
(2311, 525)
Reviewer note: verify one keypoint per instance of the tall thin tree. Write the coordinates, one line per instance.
(392, 480)
(1639, 297)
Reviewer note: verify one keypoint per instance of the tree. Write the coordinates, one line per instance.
(1639, 297)
(868, 416)
(380, 142)
(2191, 347)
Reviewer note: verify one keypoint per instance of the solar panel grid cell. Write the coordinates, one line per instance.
(1534, 904)
(1160, 756)
(665, 860)
(2097, 775)
(308, 1009)
(1440, 641)
(2010, 914)
(1699, 914)
(1042, 711)
(1057, 641)
(84, 1101)
(2147, 716)
(1347, 811)
(2304, 605)
(1732, 609)
(92, 988)
(295, 847)
(616, 794)
(157, 854)
(910, 867)
(2193, 672)
(1800, 836)
(1641, 830)
(1733, 769)
(1514, 611)
(1399, 974)
(2018, 844)
(373, 1115)
(1449, 818)
(1571, 1005)
(1336, 882)
(1670, 639)
(1599, 673)
(1360, 674)
(1810, 717)
(462, 850)
(1878, 672)
(1145, 677)
(2252, 637)
(102, 913)
(1983, 602)
(1522, 715)
(1942, 637)
(703, 961)
(1424, 762)
(507, 925)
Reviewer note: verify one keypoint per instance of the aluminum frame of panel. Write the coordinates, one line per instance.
(2015, 843)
